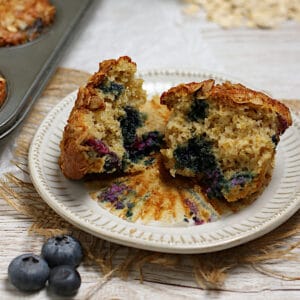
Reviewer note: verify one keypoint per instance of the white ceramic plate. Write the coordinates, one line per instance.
(71, 200)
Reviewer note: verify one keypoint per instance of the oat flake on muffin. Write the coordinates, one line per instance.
(225, 135)
(22, 21)
(106, 131)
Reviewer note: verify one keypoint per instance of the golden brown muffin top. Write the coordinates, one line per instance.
(23, 20)
(88, 97)
(89, 109)
(230, 94)
(104, 69)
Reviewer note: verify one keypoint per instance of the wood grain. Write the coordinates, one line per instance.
(267, 59)
(171, 282)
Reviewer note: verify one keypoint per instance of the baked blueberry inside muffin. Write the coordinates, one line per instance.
(107, 132)
(225, 135)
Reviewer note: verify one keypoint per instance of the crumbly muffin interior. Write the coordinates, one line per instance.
(122, 94)
(229, 146)
(107, 132)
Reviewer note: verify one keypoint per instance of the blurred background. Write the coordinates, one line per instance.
(257, 42)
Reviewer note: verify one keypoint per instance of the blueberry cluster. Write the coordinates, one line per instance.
(111, 87)
(148, 143)
(57, 263)
(194, 212)
(199, 110)
(118, 194)
(113, 194)
(214, 183)
(240, 178)
(112, 162)
(129, 124)
(138, 147)
(197, 155)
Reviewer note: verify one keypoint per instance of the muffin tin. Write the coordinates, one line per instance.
(28, 67)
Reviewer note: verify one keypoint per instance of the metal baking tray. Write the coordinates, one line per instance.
(28, 67)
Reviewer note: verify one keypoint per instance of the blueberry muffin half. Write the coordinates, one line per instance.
(225, 135)
(23, 20)
(106, 130)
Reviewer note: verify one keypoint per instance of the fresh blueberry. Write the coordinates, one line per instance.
(62, 250)
(28, 272)
(64, 280)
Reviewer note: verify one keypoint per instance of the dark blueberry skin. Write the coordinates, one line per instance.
(198, 110)
(64, 280)
(112, 162)
(197, 155)
(111, 87)
(28, 272)
(62, 250)
(129, 124)
(98, 146)
(148, 143)
(240, 179)
(275, 139)
(138, 147)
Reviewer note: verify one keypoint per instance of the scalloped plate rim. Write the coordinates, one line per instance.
(255, 232)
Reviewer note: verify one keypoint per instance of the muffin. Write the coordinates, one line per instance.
(106, 130)
(2, 90)
(224, 135)
(23, 20)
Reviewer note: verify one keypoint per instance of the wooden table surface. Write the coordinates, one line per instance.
(159, 282)
(156, 35)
